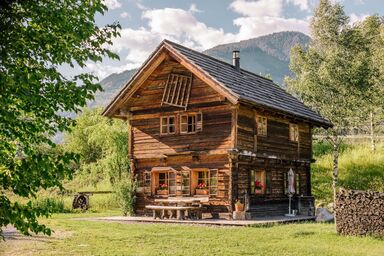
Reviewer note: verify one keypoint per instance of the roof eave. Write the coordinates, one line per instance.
(324, 124)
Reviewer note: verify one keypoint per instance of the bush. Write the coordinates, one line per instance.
(55, 205)
(125, 192)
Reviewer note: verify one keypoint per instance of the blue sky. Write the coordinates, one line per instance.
(202, 24)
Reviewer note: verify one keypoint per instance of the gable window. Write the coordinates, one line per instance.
(261, 122)
(191, 123)
(177, 90)
(294, 132)
(167, 125)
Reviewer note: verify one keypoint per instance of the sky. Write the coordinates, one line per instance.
(202, 24)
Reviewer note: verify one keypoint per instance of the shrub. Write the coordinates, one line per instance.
(55, 205)
(125, 192)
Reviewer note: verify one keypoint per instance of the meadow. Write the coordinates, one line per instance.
(359, 169)
(80, 237)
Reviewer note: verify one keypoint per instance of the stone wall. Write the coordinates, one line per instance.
(359, 212)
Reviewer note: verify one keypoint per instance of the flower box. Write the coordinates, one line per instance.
(162, 192)
(258, 191)
(201, 191)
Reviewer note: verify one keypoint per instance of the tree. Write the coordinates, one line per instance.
(102, 145)
(331, 73)
(371, 99)
(37, 38)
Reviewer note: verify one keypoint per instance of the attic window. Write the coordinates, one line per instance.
(261, 122)
(294, 132)
(177, 90)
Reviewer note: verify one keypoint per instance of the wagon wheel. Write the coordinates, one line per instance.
(81, 202)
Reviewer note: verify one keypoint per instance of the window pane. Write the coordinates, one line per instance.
(213, 182)
(172, 183)
(185, 183)
(172, 128)
(184, 124)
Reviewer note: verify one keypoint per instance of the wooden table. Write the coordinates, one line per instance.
(184, 207)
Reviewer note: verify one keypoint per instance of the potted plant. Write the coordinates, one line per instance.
(162, 189)
(239, 207)
(258, 187)
(201, 189)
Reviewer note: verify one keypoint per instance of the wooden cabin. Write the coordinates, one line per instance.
(201, 127)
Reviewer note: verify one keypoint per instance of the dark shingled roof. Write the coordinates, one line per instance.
(250, 87)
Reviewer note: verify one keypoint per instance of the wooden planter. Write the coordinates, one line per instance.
(162, 192)
(239, 207)
(258, 191)
(202, 192)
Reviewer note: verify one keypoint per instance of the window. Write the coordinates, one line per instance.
(258, 182)
(191, 123)
(261, 122)
(177, 90)
(204, 179)
(147, 182)
(185, 183)
(172, 183)
(213, 182)
(167, 125)
(294, 132)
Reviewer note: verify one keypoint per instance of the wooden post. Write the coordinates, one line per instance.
(233, 169)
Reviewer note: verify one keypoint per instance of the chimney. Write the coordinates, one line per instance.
(236, 59)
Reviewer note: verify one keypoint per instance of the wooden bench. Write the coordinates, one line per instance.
(182, 212)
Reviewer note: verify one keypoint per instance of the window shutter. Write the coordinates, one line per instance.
(199, 122)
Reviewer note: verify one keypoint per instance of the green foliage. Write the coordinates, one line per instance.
(54, 204)
(102, 144)
(359, 169)
(125, 190)
(37, 37)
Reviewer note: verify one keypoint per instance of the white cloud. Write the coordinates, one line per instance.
(302, 4)
(258, 26)
(112, 4)
(357, 18)
(193, 8)
(125, 15)
(258, 8)
(182, 24)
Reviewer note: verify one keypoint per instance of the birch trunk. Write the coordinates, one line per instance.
(372, 130)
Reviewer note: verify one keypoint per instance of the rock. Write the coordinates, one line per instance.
(323, 215)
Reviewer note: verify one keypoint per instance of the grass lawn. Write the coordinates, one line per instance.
(75, 237)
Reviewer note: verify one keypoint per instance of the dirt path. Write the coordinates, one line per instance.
(15, 243)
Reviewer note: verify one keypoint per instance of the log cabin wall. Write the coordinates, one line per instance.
(204, 149)
(274, 154)
(276, 143)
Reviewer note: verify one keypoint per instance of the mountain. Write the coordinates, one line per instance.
(265, 55)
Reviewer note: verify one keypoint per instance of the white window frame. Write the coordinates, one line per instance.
(167, 124)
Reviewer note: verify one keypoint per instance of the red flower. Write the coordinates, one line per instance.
(201, 186)
(163, 186)
(258, 185)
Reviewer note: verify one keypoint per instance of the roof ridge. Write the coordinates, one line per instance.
(218, 60)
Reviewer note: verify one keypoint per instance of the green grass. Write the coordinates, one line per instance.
(79, 237)
(359, 168)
